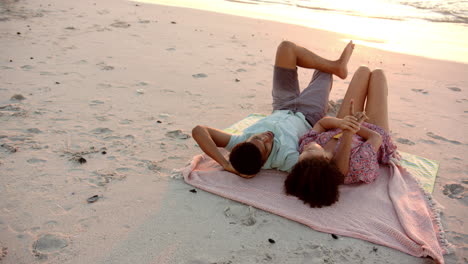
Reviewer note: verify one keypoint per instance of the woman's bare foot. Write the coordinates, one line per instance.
(342, 62)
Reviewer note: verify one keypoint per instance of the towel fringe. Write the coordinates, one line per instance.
(435, 209)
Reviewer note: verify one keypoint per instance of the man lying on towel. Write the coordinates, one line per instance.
(272, 143)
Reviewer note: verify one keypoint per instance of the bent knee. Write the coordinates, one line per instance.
(378, 73)
(286, 45)
(196, 130)
(363, 69)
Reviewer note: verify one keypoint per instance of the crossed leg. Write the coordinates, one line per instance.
(369, 89)
(289, 56)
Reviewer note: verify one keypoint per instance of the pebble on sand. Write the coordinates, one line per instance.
(93, 199)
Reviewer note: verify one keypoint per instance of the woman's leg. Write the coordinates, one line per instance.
(290, 55)
(357, 90)
(376, 106)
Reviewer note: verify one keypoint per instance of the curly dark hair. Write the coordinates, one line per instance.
(246, 158)
(315, 181)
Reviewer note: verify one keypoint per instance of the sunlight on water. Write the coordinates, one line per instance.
(445, 41)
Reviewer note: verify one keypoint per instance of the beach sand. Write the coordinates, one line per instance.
(97, 102)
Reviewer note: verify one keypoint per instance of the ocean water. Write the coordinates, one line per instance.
(435, 29)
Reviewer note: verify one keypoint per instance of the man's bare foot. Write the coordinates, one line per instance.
(342, 62)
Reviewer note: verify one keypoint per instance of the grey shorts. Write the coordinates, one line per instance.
(312, 101)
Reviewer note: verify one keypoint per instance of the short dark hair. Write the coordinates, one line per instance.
(315, 181)
(246, 158)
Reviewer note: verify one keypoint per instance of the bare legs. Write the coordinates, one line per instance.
(290, 55)
(357, 90)
(376, 105)
(373, 87)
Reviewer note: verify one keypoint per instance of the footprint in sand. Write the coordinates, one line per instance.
(120, 24)
(428, 141)
(105, 67)
(240, 214)
(244, 106)
(434, 136)
(33, 130)
(101, 130)
(455, 89)
(199, 75)
(405, 141)
(177, 134)
(35, 160)
(455, 191)
(96, 102)
(103, 12)
(420, 91)
(103, 177)
(3, 252)
(49, 243)
(8, 148)
(17, 97)
(142, 84)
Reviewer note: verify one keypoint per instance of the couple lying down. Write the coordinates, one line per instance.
(319, 153)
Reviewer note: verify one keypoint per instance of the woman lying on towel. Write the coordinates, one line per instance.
(345, 149)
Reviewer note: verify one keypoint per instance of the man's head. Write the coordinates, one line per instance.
(249, 156)
(315, 181)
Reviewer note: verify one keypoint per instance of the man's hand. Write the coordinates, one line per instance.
(230, 168)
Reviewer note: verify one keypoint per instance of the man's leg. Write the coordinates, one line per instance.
(289, 56)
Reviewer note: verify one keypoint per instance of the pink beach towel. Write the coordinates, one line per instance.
(392, 211)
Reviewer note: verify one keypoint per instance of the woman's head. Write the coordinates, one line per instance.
(315, 181)
(314, 150)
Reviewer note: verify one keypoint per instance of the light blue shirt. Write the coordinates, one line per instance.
(288, 127)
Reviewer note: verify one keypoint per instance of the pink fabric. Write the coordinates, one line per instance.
(392, 211)
(364, 161)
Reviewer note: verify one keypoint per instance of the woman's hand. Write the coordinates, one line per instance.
(361, 117)
(350, 123)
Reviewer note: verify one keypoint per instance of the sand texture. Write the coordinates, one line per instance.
(97, 103)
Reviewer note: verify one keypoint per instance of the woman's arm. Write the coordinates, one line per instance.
(209, 139)
(328, 122)
(374, 138)
(343, 153)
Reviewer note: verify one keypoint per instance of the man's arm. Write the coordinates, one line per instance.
(209, 139)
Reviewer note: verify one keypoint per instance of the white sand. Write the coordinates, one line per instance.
(117, 76)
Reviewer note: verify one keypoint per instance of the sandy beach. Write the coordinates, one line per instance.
(97, 103)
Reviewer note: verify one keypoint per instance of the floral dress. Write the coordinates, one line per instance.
(364, 161)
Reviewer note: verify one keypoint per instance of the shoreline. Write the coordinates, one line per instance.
(418, 38)
(122, 84)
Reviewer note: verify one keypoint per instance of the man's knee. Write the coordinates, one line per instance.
(286, 46)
